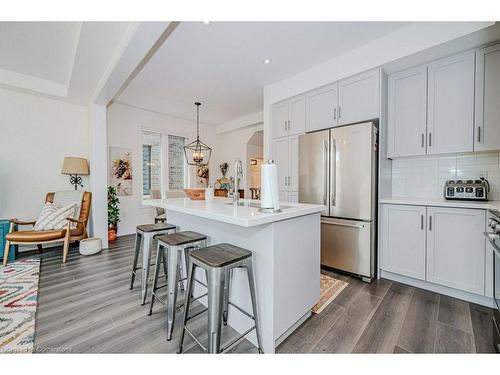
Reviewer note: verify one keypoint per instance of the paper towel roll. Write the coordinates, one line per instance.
(269, 186)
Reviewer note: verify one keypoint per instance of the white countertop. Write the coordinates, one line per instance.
(244, 216)
(441, 202)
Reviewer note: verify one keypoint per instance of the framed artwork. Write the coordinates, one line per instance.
(121, 170)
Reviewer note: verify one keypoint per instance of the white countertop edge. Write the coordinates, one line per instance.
(205, 210)
(441, 202)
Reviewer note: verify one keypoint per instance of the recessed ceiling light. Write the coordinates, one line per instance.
(266, 61)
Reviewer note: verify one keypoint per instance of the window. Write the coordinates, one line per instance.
(151, 162)
(156, 155)
(176, 164)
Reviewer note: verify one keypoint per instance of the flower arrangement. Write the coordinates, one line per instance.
(203, 173)
(223, 168)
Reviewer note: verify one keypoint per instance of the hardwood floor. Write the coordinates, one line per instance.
(85, 306)
(389, 317)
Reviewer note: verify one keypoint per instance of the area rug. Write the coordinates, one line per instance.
(330, 289)
(18, 301)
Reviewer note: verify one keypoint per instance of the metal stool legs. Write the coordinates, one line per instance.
(146, 258)
(227, 286)
(160, 257)
(189, 293)
(215, 307)
(251, 282)
(137, 247)
(219, 279)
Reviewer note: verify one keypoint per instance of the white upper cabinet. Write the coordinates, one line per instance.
(407, 111)
(289, 117)
(456, 248)
(280, 119)
(359, 98)
(322, 108)
(450, 104)
(293, 169)
(297, 115)
(487, 113)
(403, 240)
(281, 158)
(286, 156)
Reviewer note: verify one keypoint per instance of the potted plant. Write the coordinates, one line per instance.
(113, 213)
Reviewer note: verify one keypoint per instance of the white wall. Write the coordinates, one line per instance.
(233, 145)
(124, 130)
(35, 135)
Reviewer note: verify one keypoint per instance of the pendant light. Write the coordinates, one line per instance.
(197, 153)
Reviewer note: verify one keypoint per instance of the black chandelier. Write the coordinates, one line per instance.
(197, 153)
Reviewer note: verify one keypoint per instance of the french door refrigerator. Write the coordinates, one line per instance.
(338, 168)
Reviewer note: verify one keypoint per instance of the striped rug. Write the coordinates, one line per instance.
(18, 301)
(330, 288)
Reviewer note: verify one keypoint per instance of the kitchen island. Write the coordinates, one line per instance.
(286, 256)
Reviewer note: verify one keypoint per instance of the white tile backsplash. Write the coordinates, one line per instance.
(424, 177)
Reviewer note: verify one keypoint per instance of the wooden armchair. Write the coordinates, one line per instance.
(65, 235)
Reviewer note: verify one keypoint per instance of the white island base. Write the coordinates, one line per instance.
(286, 258)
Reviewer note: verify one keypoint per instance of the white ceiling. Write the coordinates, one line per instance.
(44, 50)
(63, 60)
(221, 64)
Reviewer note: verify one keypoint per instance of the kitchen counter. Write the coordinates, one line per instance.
(286, 256)
(222, 209)
(441, 202)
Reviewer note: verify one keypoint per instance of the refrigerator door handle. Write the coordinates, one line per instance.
(334, 171)
(343, 224)
(325, 164)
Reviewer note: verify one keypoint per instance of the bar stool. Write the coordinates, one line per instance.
(218, 261)
(146, 233)
(174, 244)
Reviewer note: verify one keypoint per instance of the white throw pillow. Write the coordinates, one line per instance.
(54, 217)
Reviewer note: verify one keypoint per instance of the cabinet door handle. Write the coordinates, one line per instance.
(430, 223)
(335, 113)
(285, 124)
(479, 134)
(340, 113)
(288, 124)
(430, 139)
(422, 222)
(423, 145)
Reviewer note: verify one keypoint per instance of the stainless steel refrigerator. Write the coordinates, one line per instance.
(338, 168)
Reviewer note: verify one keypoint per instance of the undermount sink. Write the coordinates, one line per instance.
(253, 204)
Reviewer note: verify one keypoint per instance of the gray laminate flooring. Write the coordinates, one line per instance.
(389, 317)
(85, 306)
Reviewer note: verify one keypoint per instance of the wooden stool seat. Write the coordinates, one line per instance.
(181, 238)
(148, 228)
(220, 255)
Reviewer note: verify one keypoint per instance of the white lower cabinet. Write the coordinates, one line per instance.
(293, 197)
(456, 248)
(288, 196)
(403, 240)
(283, 196)
(440, 245)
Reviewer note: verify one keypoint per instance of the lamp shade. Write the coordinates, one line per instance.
(75, 166)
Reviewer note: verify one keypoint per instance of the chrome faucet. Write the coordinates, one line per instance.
(235, 181)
